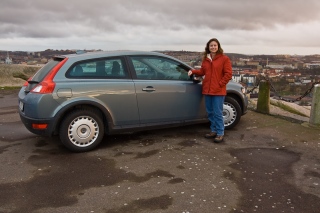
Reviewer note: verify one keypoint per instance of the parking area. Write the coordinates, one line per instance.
(266, 164)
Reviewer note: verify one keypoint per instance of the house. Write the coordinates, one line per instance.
(236, 77)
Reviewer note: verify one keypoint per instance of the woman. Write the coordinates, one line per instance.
(216, 67)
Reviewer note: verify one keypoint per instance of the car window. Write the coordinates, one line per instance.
(99, 68)
(43, 72)
(159, 68)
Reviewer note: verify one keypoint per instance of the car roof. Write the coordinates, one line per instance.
(101, 54)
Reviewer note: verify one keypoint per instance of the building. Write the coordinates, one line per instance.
(8, 60)
(249, 79)
(236, 77)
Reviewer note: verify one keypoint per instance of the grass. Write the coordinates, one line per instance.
(13, 75)
(20, 75)
(10, 88)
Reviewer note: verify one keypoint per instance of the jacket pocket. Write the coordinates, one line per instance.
(215, 89)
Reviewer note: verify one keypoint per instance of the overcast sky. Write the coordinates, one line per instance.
(241, 26)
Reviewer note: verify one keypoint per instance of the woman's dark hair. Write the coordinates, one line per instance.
(207, 51)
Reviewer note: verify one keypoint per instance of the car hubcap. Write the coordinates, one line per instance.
(229, 114)
(83, 131)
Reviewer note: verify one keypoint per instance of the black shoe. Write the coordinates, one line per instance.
(218, 139)
(211, 135)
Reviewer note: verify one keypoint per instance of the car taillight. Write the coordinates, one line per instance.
(44, 87)
(26, 83)
(47, 85)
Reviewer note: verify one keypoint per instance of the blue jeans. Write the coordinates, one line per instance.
(214, 107)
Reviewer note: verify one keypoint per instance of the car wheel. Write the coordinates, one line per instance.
(231, 112)
(82, 130)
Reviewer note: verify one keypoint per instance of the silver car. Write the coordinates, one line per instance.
(81, 97)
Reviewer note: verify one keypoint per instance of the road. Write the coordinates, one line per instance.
(266, 164)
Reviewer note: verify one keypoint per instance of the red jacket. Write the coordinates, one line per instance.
(217, 72)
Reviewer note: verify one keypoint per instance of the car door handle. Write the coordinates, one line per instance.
(148, 89)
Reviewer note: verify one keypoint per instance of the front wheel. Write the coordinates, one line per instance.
(81, 130)
(231, 112)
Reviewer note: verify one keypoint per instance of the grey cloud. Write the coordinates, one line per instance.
(60, 18)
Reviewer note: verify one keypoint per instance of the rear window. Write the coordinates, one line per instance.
(39, 76)
(42, 73)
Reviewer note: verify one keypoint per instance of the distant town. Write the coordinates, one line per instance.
(291, 73)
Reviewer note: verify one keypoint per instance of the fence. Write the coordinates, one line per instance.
(263, 104)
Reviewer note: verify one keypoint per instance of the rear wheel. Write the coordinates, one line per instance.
(231, 112)
(82, 130)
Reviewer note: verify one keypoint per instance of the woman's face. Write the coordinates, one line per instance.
(213, 47)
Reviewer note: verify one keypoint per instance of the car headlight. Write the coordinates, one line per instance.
(243, 90)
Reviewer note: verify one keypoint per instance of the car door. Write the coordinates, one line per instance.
(165, 92)
(107, 82)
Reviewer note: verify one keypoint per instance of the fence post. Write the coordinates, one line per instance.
(315, 107)
(263, 104)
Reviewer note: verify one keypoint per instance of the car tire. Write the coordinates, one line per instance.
(82, 130)
(231, 112)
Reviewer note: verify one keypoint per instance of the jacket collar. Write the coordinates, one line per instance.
(216, 56)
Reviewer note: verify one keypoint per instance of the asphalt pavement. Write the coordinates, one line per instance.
(267, 163)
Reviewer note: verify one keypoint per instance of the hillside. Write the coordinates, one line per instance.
(15, 75)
